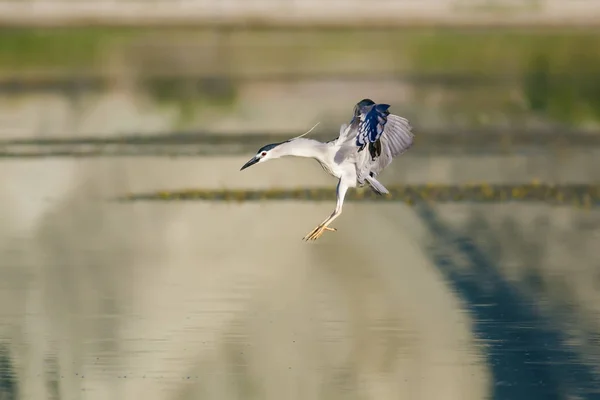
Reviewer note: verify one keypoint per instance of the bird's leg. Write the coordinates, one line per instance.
(316, 233)
(323, 226)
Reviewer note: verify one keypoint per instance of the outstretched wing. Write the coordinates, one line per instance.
(396, 139)
(372, 124)
(393, 132)
(398, 136)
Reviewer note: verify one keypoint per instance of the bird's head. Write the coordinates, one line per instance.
(263, 154)
(276, 150)
(362, 105)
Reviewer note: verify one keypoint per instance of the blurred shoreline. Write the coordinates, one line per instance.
(310, 13)
(439, 77)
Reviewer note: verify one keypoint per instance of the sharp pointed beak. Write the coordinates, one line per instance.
(250, 163)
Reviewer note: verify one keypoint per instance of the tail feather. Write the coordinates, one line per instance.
(376, 185)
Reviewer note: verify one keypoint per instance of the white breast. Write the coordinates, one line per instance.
(330, 171)
(348, 170)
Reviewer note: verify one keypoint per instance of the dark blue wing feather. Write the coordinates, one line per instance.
(372, 123)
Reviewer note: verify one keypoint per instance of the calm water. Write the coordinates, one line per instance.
(198, 300)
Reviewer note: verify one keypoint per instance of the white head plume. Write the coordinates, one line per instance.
(305, 133)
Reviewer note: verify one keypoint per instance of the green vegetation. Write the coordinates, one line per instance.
(192, 94)
(570, 96)
(38, 48)
(556, 73)
(426, 50)
(560, 72)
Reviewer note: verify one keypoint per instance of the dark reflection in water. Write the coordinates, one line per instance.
(529, 358)
(8, 385)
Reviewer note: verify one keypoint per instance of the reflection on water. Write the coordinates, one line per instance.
(186, 300)
(220, 301)
(536, 350)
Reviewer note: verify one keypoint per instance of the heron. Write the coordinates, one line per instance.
(363, 149)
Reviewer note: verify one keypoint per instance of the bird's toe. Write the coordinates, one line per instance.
(318, 232)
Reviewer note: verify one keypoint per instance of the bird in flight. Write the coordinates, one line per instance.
(362, 150)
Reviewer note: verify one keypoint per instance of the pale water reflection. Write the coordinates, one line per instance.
(112, 300)
(208, 300)
(102, 299)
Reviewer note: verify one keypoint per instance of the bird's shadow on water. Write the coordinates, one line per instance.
(528, 357)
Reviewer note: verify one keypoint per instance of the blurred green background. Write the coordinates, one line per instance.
(478, 76)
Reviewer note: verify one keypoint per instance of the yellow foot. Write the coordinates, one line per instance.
(317, 232)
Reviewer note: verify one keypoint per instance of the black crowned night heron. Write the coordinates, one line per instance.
(372, 127)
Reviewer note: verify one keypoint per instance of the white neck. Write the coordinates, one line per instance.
(301, 147)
